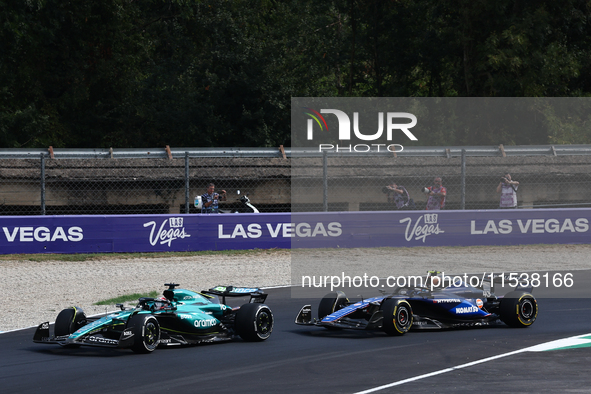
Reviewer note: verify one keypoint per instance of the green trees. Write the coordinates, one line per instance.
(150, 73)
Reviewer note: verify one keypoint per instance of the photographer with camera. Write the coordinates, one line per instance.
(508, 190)
(399, 196)
(210, 200)
(436, 195)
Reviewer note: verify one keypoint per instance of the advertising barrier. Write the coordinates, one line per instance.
(445, 228)
(141, 233)
(157, 233)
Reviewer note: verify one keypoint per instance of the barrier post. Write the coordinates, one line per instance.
(42, 184)
(463, 202)
(186, 182)
(325, 181)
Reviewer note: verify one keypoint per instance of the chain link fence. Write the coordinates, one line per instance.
(276, 180)
(338, 182)
(101, 186)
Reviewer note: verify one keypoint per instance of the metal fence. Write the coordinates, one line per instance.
(548, 176)
(68, 182)
(98, 182)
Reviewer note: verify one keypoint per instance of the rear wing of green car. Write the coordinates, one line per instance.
(256, 294)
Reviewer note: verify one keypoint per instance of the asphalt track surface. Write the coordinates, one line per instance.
(299, 359)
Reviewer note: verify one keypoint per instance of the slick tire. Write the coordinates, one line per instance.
(397, 316)
(254, 322)
(146, 333)
(518, 309)
(69, 320)
(330, 303)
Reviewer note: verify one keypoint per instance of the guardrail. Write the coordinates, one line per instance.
(286, 152)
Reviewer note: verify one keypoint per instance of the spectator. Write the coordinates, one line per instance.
(436, 195)
(508, 190)
(399, 196)
(210, 199)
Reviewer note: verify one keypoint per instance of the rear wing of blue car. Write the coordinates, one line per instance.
(517, 281)
(256, 294)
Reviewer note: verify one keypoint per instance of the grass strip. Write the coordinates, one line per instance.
(113, 256)
(126, 298)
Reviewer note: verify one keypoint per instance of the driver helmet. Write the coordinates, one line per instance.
(160, 303)
(433, 279)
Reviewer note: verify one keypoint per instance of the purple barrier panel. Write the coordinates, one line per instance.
(141, 233)
(55, 234)
(153, 233)
(441, 228)
(265, 230)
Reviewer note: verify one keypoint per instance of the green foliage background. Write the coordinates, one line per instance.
(195, 73)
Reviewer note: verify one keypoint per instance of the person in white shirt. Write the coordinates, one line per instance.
(508, 190)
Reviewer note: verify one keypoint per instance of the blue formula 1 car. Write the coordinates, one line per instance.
(180, 317)
(420, 308)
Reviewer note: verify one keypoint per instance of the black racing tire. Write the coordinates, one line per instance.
(69, 320)
(254, 322)
(330, 303)
(397, 316)
(146, 333)
(518, 309)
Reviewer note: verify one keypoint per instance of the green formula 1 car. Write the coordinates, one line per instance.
(180, 317)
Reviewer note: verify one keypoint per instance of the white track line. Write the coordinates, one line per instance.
(484, 360)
